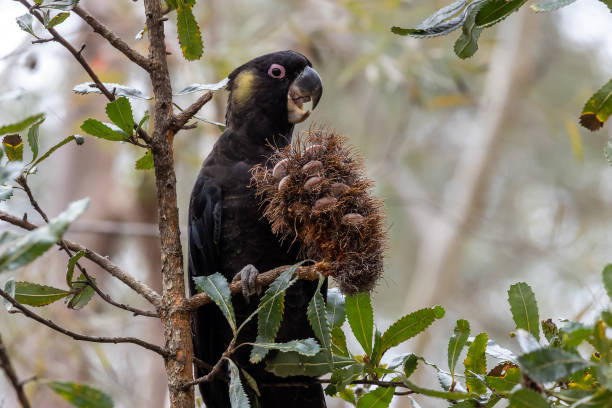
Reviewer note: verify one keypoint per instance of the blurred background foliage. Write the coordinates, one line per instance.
(540, 209)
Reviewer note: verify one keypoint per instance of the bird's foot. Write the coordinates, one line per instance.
(248, 276)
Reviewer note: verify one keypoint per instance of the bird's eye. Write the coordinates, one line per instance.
(276, 71)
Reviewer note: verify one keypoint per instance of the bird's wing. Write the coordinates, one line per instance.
(211, 332)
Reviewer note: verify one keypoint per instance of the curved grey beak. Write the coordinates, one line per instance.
(307, 87)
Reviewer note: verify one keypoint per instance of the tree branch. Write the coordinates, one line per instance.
(180, 120)
(137, 286)
(7, 366)
(263, 279)
(216, 368)
(77, 336)
(114, 40)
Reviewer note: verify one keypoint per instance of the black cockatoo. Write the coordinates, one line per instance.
(227, 232)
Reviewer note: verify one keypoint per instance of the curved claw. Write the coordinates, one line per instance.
(248, 276)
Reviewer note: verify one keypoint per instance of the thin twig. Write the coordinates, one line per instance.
(216, 368)
(114, 40)
(7, 366)
(379, 383)
(28, 313)
(180, 120)
(137, 286)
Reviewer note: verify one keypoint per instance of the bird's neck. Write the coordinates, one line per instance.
(253, 142)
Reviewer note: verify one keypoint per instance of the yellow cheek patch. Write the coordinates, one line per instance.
(243, 87)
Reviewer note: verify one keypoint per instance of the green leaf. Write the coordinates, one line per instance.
(318, 321)
(188, 31)
(379, 398)
(33, 294)
(6, 192)
(443, 21)
(505, 382)
(467, 43)
(21, 125)
(410, 365)
(77, 138)
(270, 312)
(377, 351)
(361, 319)
(526, 398)
(250, 381)
(409, 326)
(13, 147)
(606, 316)
(217, 288)
(33, 134)
(116, 89)
(61, 4)
(551, 364)
(334, 308)
(476, 363)
(238, 397)
(550, 5)
(607, 3)
(119, 112)
(83, 293)
(10, 171)
(342, 377)
(57, 19)
(191, 88)
(573, 333)
(448, 395)
(456, 344)
(70, 268)
(494, 11)
(306, 347)
(145, 162)
(338, 342)
(524, 308)
(34, 243)
(9, 288)
(607, 279)
(25, 23)
(103, 131)
(598, 108)
(291, 364)
(81, 396)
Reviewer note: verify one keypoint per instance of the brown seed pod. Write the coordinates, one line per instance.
(323, 204)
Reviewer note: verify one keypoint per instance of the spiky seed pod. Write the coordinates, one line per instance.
(316, 194)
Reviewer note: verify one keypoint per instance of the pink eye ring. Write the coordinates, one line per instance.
(276, 71)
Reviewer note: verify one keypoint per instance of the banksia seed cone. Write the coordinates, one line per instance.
(317, 196)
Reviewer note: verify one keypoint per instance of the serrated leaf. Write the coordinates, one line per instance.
(456, 344)
(499, 352)
(361, 319)
(60, 4)
(70, 267)
(270, 312)
(447, 395)
(334, 308)
(526, 341)
(524, 308)
(57, 19)
(145, 162)
(526, 398)
(476, 364)
(33, 134)
(189, 34)
(34, 243)
(292, 364)
(250, 381)
(379, 398)
(203, 87)
(6, 192)
(9, 288)
(25, 23)
(117, 89)
(10, 171)
(409, 326)
(83, 293)
(410, 365)
(494, 11)
(238, 398)
(21, 125)
(550, 5)
(119, 112)
(77, 138)
(377, 350)
(103, 131)
(342, 377)
(506, 381)
(338, 342)
(607, 279)
(598, 108)
(33, 294)
(81, 396)
(551, 364)
(443, 21)
(467, 43)
(305, 347)
(318, 321)
(573, 334)
(218, 289)
(13, 147)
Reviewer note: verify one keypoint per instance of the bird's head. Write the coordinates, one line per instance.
(271, 93)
